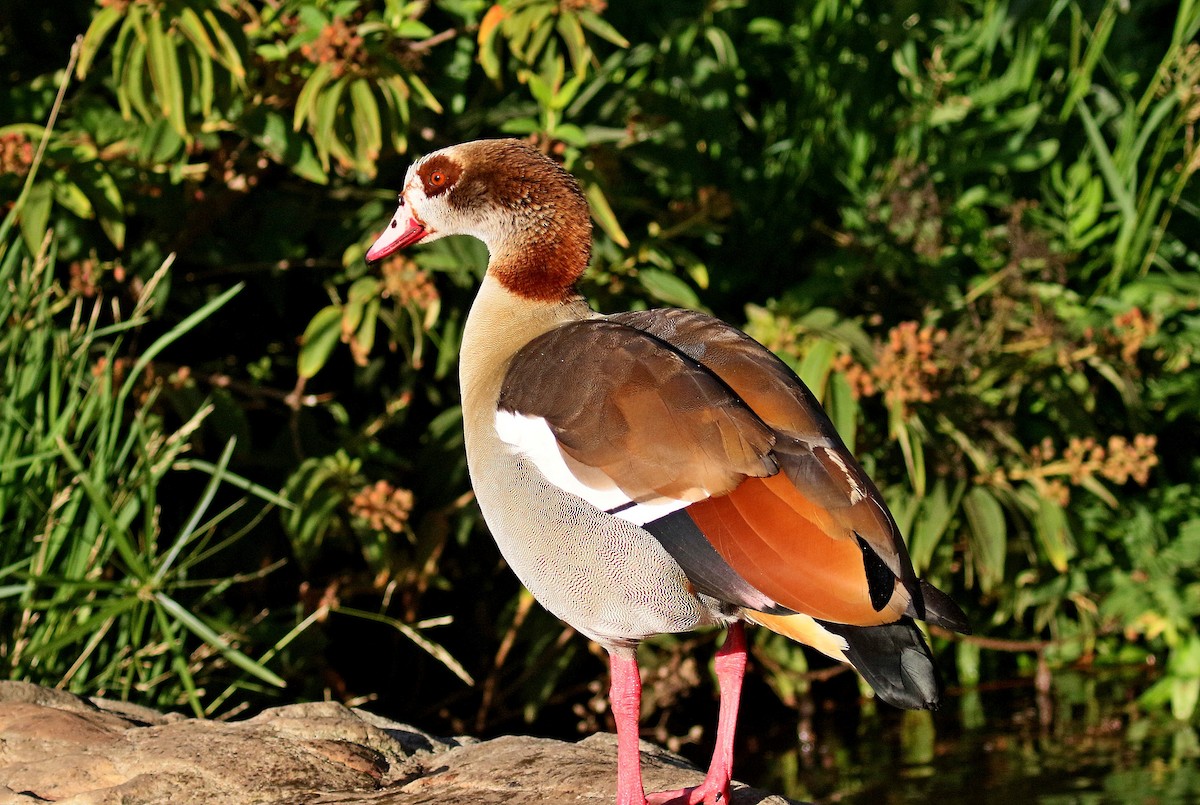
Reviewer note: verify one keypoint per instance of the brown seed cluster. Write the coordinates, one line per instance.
(339, 45)
(1132, 329)
(1120, 461)
(407, 284)
(915, 212)
(905, 366)
(595, 6)
(85, 275)
(16, 154)
(383, 506)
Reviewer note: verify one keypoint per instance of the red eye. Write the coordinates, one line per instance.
(437, 178)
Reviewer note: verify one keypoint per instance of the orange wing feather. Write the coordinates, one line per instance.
(793, 535)
(773, 536)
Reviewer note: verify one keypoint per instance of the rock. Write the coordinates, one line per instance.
(55, 747)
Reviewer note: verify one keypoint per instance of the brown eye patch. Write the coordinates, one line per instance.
(438, 175)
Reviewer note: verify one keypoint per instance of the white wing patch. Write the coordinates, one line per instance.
(531, 437)
(856, 490)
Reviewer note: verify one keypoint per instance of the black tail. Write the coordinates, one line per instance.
(940, 610)
(895, 661)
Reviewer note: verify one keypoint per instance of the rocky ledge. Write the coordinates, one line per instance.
(56, 747)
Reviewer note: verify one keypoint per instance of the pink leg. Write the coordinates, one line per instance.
(731, 667)
(625, 694)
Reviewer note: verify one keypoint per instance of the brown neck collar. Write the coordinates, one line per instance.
(544, 270)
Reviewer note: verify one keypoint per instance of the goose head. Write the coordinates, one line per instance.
(529, 212)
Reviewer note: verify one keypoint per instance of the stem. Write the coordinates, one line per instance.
(41, 151)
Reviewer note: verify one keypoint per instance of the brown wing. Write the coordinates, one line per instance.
(625, 405)
(817, 537)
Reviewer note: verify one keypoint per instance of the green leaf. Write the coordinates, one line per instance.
(814, 367)
(364, 336)
(188, 530)
(542, 92)
(1052, 532)
(70, 196)
(35, 215)
(1034, 157)
(598, 26)
(1185, 694)
(193, 28)
(159, 143)
(722, 46)
(123, 63)
(567, 92)
(988, 536)
(133, 83)
(110, 209)
(96, 33)
(272, 133)
(912, 447)
(541, 32)
(221, 26)
(412, 29)
(364, 290)
(931, 523)
(668, 288)
(842, 408)
(307, 100)
(163, 63)
(572, 34)
(395, 95)
(1116, 185)
(572, 135)
(206, 633)
(101, 497)
(320, 337)
(364, 119)
(952, 110)
(603, 214)
(324, 133)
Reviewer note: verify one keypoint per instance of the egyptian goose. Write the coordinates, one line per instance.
(659, 470)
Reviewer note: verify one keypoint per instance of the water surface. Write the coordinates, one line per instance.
(1085, 743)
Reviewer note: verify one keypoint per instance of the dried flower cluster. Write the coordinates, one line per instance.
(383, 506)
(338, 45)
(862, 384)
(1119, 461)
(913, 210)
(1131, 329)
(904, 369)
(85, 275)
(1123, 461)
(407, 284)
(710, 204)
(595, 6)
(16, 154)
(1030, 251)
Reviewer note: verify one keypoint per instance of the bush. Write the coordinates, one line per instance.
(970, 229)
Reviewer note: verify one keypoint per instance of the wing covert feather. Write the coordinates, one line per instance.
(651, 419)
(828, 484)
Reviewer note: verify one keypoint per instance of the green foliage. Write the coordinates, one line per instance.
(168, 59)
(970, 228)
(93, 587)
